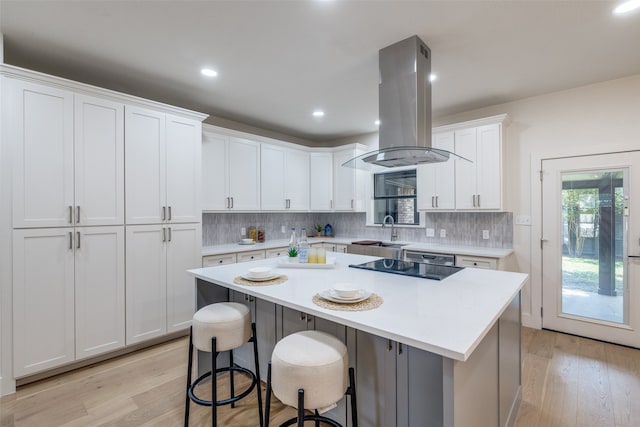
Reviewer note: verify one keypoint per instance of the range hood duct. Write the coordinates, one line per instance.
(404, 107)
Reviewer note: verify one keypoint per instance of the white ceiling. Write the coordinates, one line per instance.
(280, 60)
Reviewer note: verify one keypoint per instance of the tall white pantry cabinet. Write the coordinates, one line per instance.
(92, 170)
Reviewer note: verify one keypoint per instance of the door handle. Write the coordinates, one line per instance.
(231, 202)
(78, 236)
(633, 256)
(77, 214)
(70, 240)
(70, 214)
(164, 213)
(478, 200)
(169, 233)
(169, 213)
(164, 234)
(437, 201)
(433, 205)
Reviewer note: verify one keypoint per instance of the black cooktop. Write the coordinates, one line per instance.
(409, 268)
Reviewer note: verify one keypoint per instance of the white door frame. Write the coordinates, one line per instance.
(531, 315)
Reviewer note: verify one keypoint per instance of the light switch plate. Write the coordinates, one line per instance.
(431, 232)
(485, 234)
(523, 220)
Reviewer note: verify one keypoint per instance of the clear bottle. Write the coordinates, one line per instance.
(303, 252)
(293, 242)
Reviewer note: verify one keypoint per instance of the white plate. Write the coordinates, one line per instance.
(259, 279)
(330, 295)
(249, 243)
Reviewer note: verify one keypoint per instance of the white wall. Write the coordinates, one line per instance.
(599, 118)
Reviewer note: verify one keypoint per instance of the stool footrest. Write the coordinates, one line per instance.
(318, 418)
(230, 369)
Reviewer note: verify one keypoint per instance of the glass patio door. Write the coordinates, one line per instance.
(590, 228)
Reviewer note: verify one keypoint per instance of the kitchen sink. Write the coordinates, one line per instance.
(379, 249)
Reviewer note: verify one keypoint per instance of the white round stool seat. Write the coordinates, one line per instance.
(311, 360)
(229, 322)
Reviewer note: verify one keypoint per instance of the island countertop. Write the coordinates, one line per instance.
(448, 317)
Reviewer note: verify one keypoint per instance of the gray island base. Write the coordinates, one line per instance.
(436, 353)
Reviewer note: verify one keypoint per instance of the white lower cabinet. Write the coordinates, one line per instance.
(68, 287)
(160, 294)
(335, 247)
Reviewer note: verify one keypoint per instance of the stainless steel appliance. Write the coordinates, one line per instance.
(409, 268)
(404, 109)
(376, 248)
(430, 258)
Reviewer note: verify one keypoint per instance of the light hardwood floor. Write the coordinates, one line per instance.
(567, 381)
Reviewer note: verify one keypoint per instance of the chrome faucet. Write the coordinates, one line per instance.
(394, 232)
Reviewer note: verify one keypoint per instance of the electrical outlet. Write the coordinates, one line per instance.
(523, 220)
(431, 232)
(485, 234)
(443, 233)
(283, 230)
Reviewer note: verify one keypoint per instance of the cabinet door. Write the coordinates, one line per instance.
(146, 290)
(244, 174)
(215, 173)
(243, 356)
(344, 182)
(184, 141)
(183, 253)
(375, 380)
(99, 290)
(489, 167)
(99, 161)
(321, 181)
(465, 145)
(436, 181)
(339, 413)
(297, 180)
(272, 178)
(43, 299)
(295, 321)
(145, 165)
(42, 141)
(265, 319)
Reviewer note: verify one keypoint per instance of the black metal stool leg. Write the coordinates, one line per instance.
(189, 368)
(300, 408)
(267, 409)
(233, 404)
(352, 392)
(214, 394)
(317, 420)
(257, 363)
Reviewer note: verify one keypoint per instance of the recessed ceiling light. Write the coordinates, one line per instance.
(432, 77)
(377, 122)
(318, 113)
(209, 72)
(627, 6)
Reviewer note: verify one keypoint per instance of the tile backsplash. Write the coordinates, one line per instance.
(461, 228)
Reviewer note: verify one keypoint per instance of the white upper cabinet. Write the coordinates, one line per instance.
(349, 184)
(162, 167)
(479, 184)
(184, 140)
(42, 142)
(145, 166)
(321, 181)
(230, 173)
(69, 157)
(284, 178)
(99, 161)
(436, 181)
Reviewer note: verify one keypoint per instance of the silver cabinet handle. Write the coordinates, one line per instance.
(437, 201)
(77, 214)
(474, 200)
(399, 349)
(164, 213)
(478, 200)
(389, 345)
(70, 240)
(351, 203)
(70, 214)
(232, 203)
(331, 203)
(78, 236)
(228, 204)
(164, 234)
(169, 213)
(433, 205)
(169, 233)
(309, 318)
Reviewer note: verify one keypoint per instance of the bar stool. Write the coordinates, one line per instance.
(217, 328)
(308, 369)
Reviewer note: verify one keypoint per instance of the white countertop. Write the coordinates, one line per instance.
(448, 317)
(425, 247)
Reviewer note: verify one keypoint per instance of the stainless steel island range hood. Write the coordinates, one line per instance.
(404, 106)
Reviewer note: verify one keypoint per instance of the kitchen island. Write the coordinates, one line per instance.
(435, 353)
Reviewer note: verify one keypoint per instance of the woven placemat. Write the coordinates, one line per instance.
(374, 301)
(275, 281)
